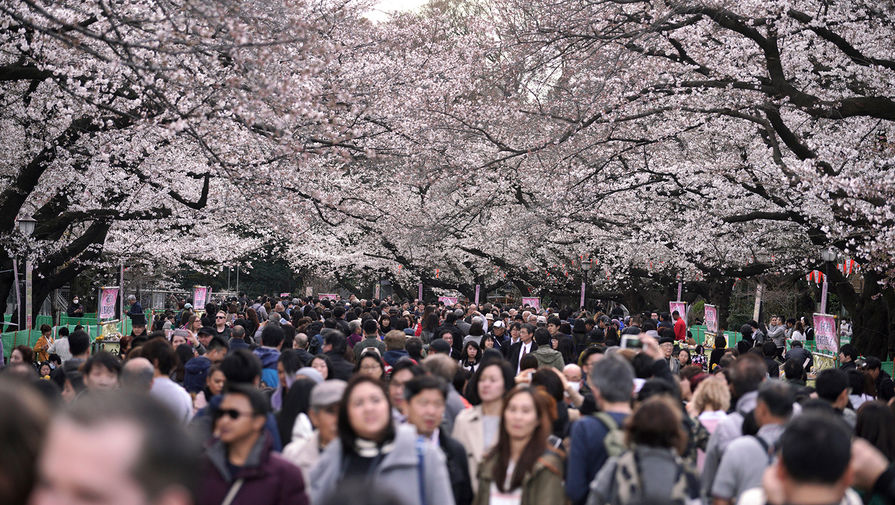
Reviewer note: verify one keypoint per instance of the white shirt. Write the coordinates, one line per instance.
(525, 349)
(174, 397)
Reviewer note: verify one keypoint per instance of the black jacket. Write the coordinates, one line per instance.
(342, 369)
(513, 353)
(458, 468)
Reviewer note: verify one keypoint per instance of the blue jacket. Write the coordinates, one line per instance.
(586, 455)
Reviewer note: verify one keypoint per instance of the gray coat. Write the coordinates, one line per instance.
(398, 472)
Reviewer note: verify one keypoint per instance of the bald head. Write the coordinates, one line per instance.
(572, 372)
(137, 375)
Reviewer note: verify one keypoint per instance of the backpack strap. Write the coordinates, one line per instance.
(421, 469)
(607, 420)
(768, 449)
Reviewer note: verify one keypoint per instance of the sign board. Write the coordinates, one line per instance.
(681, 307)
(478, 289)
(420, 291)
(329, 296)
(533, 302)
(448, 300)
(200, 295)
(107, 299)
(825, 334)
(711, 319)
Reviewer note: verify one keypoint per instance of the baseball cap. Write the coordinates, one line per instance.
(187, 305)
(498, 324)
(328, 393)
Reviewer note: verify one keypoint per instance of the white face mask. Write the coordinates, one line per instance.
(576, 386)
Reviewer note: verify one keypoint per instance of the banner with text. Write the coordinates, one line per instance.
(448, 300)
(329, 296)
(533, 302)
(825, 333)
(478, 289)
(681, 307)
(200, 295)
(711, 319)
(107, 300)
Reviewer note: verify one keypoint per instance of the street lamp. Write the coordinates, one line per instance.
(26, 225)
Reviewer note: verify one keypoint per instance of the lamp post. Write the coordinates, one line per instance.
(585, 267)
(828, 255)
(26, 226)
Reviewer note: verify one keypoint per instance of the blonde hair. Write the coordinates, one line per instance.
(711, 394)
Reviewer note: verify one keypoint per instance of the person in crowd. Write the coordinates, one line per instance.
(471, 357)
(371, 339)
(370, 363)
(848, 354)
(546, 355)
(324, 415)
(42, 346)
(523, 467)
(23, 420)
(322, 364)
(746, 458)
(335, 345)
(166, 391)
(885, 388)
(683, 358)
(709, 406)
(680, 327)
(370, 448)
(269, 354)
(101, 372)
(813, 466)
(832, 386)
(21, 354)
(523, 347)
(115, 447)
(442, 366)
(652, 470)
(769, 351)
(666, 344)
(75, 308)
(424, 403)
(404, 370)
(747, 374)
(60, 346)
(137, 375)
(214, 386)
(195, 371)
(237, 338)
(240, 466)
(798, 352)
(777, 334)
(612, 383)
(220, 325)
(876, 424)
(395, 341)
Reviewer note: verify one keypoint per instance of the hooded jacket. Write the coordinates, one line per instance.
(267, 478)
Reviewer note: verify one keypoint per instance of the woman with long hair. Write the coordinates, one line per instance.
(522, 467)
(471, 357)
(476, 428)
(371, 449)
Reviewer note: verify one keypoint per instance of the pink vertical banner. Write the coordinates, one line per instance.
(583, 286)
(419, 289)
(681, 307)
(823, 297)
(680, 289)
(200, 294)
(376, 291)
(711, 319)
(478, 289)
(107, 299)
(825, 334)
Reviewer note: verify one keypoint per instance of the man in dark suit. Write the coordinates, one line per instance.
(525, 345)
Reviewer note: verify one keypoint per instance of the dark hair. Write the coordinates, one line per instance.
(406, 364)
(241, 366)
(876, 424)
(528, 362)
(372, 354)
(830, 383)
(290, 360)
(747, 373)
(550, 382)
(872, 363)
(370, 326)
(23, 422)
(506, 370)
(26, 352)
(297, 401)
(421, 383)
(104, 359)
(259, 402)
(815, 448)
(656, 423)
(414, 348)
(346, 432)
(777, 396)
(849, 350)
(792, 369)
(530, 328)
(335, 339)
(537, 444)
(78, 342)
(588, 352)
(464, 358)
(542, 337)
(271, 336)
(160, 353)
(217, 343)
(167, 456)
(657, 387)
(46, 328)
(769, 349)
(326, 361)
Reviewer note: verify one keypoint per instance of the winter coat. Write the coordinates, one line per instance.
(398, 471)
(549, 357)
(194, 374)
(267, 478)
(469, 431)
(542, 485)
(341, 368)
(392, 357)
(458, 470)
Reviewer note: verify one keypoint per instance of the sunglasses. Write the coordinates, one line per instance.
(231, 413)
(219, 317)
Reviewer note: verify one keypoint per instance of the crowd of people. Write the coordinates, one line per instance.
(278, 401)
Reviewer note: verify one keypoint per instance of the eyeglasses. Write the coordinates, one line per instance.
(219, 317)
(231, 413)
